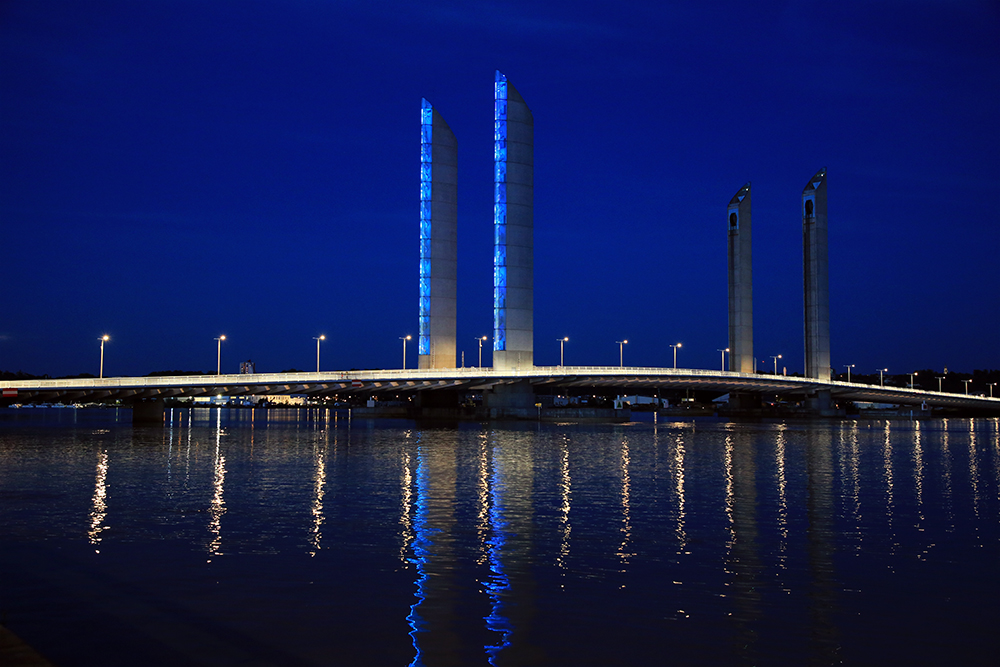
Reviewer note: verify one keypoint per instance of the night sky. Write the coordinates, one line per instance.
(171, 171)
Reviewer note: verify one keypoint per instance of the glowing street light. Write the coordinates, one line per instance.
(404, 339)
(621, 353)
(966, 386)
(218, 357)
(939, 378)
(481, 339)
(992, 384)
(318, 339)
(723, 351)
(849, 367)
(880, 376)
(913, 385)
(562, 343)
(675, 353)
(105, 338)
(775, 358)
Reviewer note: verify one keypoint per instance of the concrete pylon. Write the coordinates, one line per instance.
(513, 229)
(816, 278)
(438, 241)
(740, 283)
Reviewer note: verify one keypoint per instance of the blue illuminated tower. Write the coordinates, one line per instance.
(816, 277)
(513, 229)
(438, 240)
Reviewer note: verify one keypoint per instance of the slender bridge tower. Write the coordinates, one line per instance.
(740, 283)
(513, 229)
(816, 280)
(438, 241)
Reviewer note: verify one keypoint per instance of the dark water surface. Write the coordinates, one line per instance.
(295, 538)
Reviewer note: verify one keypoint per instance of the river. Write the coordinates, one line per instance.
(287, 537)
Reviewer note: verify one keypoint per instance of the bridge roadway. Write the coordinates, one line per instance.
(626, 380)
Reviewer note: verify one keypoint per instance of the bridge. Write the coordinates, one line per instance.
(539, 379)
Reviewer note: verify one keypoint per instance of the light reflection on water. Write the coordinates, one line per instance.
(321, 536)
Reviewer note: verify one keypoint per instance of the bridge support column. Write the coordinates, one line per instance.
(147, 413)
(821, 404)
(507, 401)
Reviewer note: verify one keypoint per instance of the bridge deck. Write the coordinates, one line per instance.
(326, 383)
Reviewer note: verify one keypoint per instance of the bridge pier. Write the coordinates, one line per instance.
(516, 401)
(148, 412)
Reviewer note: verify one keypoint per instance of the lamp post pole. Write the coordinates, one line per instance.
(939, 378)
(992, 384)
(318, 339)
(218, 356)
(675, 353)
(849, 367)
(913, 384)
(775, 358)
(404, 339)
(562, 343)
(966, 386)
(103, 340)
(723, 351)
(621, 352)
(880, 376)
(480, 339)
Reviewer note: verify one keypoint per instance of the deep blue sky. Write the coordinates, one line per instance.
(172, 170)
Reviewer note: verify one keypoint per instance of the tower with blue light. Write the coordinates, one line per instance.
(513, 229)
(438, 241)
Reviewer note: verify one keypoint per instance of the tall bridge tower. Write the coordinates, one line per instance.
(816, 277)
(513, 228)
(438, 241)
(740, 283)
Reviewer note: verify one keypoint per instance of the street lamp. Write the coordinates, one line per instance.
(849, 367)
(939, 378)
(966, 386)
(775, 357)
(481, 339)
(404, 339)
(992, 384)
(218, 358)
(723, 351)
(562, 343)
(105, 338)
(912, 375)
(621, 352)
(318, 339)
(880, 372)
(675, 353)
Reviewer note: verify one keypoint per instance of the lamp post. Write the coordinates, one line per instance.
(621, 352)
(675, 353)
(880, 372)
(481, 339)
(562, 343)
(318, 339)
(939, 378)
(105, 338)
(992, 384)
(912, 383)
(404, 339)
(849, 367)
(218, 357)
(775, 357)
(723, 351)
(966, 386)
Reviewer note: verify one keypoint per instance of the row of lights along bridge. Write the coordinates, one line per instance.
(562, 350)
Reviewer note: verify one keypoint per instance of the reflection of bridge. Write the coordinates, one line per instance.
(575, 379)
